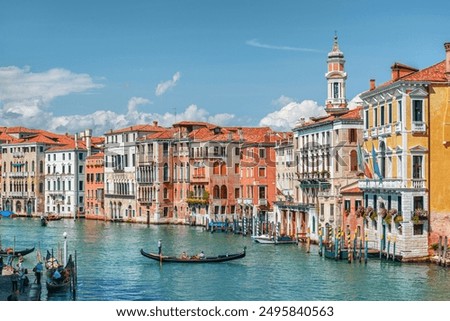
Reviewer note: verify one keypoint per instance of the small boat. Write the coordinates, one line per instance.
(266, 239)
(207, 259)
(53, 217)
(44, 221)
(6, 251)
(6, 213)
(62, 283)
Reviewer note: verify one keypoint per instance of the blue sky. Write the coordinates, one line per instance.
(98, 64)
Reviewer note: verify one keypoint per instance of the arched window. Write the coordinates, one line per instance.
(216, 168)
(223, 169)
(353, 161)
(223, 192)
(216, 191)
(175, 169)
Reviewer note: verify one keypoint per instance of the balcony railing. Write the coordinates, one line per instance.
(398, 127)
(418, 127)
(262, 202)
(418, 183)
(374, 132)
(366, 134)
(391, 183)
(245, 201)
(387, 130)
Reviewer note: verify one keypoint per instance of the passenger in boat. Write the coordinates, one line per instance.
(56, 276)
(201, 255)
(184, 256)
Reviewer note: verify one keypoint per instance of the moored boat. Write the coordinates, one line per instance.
(63, 282)
(266, 239)
(9, 250)
(207, 259)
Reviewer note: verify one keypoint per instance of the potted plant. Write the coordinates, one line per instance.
(398, 219)
(360, 211)
(373, 215)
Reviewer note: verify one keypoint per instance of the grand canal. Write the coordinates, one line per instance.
(110, 266)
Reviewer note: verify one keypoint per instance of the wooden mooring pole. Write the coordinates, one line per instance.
(444, 256)
(440, 250)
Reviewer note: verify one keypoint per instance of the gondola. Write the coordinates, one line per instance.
(62, 284)
(16, 253)
(44, 221)
(208, 259)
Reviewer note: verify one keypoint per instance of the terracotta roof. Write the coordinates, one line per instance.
(166, 133)
(352, 190)
(434, 73)
(39, 138)
(136, 128)
(68, 146)
(98, 155)
(194, 123)
(350, 114)
(7, 138)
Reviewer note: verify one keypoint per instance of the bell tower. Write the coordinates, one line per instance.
(336, 102)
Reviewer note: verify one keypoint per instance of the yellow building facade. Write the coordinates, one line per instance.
(406, 146)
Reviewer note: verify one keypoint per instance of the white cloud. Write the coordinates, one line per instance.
(166, 85)
(355, 102)
(257, 44)
(285, 118)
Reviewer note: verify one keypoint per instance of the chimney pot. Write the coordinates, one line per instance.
(372, 84)
(447, 60)
(155, 123)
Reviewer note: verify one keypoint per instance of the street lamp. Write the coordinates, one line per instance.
(65, 248)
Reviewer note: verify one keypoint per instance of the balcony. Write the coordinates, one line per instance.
(387, 130)
(418, 183)
(418, 127)
(374, 132)
(393, 183)
(262, 202)
(398, 127)
(366, 134)
(245, 201)
(381, 131)
(18, 154)
(17, 174)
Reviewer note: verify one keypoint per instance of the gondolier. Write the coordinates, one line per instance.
(159, 247)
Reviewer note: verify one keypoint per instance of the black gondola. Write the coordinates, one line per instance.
(63, 283)
(44, 221)
(208, 259)
(16, 253)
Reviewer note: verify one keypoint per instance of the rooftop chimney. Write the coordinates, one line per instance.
(372, 84)
(155, 123)
(447, 60)
(400, 70)
(87, 140)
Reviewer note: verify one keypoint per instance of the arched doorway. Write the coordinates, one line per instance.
(18, 207)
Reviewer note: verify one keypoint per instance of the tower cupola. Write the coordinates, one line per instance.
(336, 102)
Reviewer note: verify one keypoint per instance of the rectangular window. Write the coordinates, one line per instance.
(390, 113)
(417, 112)
(236, 168)
(262, 192)
(382, 115)
(80, 169)
(417, 167)
(262, 153)
(347, 205)
(80, 185)
(375, 117)
(400, 112)
(352, 135)
(358, 204)
(262, 171)
(418, 229)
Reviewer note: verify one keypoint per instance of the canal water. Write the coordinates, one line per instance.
(110, 266)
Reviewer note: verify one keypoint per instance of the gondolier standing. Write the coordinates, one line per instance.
(159, 247)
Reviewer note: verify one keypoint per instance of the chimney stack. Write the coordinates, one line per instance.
(372, 84)
(155, 123)
(87, 140)
(447, 60)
